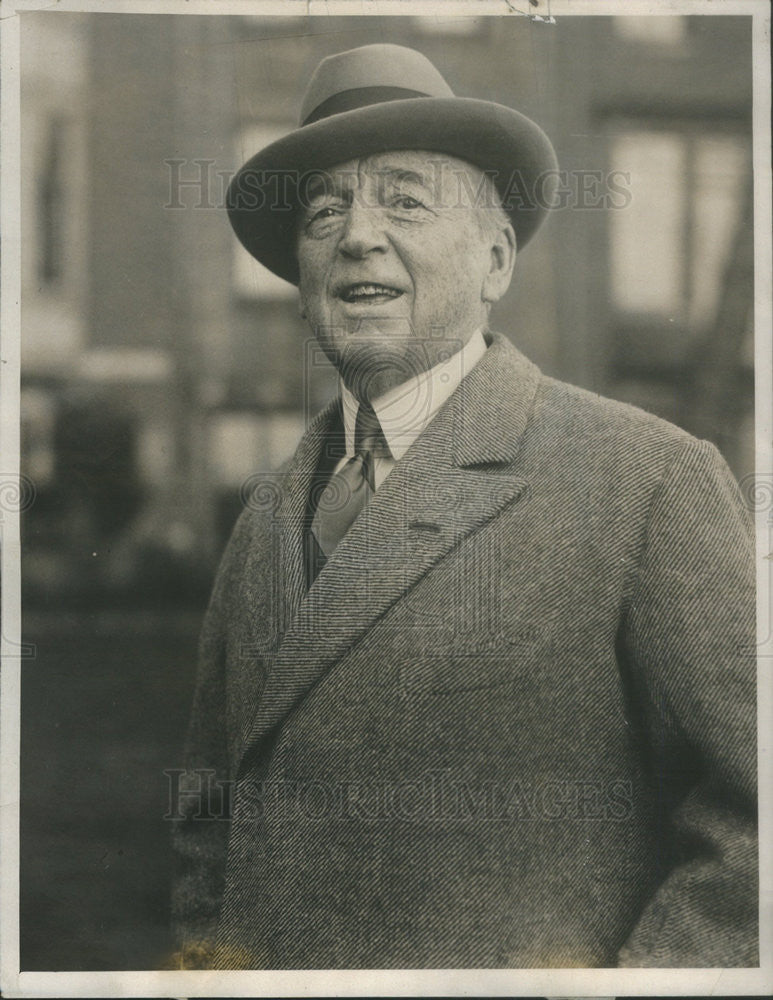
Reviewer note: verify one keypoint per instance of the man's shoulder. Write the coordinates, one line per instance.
(576, 417)
(581, 419)
(615, 455)
(604, 440)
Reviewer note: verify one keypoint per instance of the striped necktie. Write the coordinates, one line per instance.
(349, 490)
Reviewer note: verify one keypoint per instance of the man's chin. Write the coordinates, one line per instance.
(370, 365)
(379, 326)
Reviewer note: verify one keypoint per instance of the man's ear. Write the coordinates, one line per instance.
(502, 261)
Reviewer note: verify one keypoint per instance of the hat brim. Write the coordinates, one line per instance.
(263, 195)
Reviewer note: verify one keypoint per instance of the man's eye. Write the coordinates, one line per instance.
(319, 221)
(407, 202)
(324, 213)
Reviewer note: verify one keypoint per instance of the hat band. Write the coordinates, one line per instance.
(358, 97)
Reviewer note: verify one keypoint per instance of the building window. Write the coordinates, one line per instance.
(671, 244)
(38, 420)
(51, 203)
(647, 235)
(245, 442)
(250, 279)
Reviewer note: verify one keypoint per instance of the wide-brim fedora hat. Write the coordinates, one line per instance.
(375, 99)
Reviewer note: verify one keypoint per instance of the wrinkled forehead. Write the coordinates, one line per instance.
(436, 173)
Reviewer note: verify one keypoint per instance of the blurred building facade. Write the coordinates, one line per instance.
(161, 367)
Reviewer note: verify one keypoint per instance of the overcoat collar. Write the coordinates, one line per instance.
(455, 477)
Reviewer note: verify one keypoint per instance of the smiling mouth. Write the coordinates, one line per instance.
(368, 292)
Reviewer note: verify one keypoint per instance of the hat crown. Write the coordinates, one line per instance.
(376, 99)
(368, 75)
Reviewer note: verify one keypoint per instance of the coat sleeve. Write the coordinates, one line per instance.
(201, 790)
(690, 646)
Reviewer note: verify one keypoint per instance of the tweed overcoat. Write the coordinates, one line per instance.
(512, 722)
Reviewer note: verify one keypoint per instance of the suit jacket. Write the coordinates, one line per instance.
(510, 724)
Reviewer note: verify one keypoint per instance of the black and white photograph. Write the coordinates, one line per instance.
(386, 499)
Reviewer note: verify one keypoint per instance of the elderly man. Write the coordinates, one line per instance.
(477, 675)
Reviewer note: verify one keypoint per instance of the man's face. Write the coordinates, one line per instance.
(394, 256)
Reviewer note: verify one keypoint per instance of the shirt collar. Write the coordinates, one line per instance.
(406, 409)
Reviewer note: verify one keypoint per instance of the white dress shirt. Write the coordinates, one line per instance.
(406, 409)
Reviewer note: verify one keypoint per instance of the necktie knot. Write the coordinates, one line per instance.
(368, 436)
(349, 490)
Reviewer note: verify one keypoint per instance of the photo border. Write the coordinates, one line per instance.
(524, 982)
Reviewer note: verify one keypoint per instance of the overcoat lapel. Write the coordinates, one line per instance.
(273, 576)
(449, 483)
(292, 512)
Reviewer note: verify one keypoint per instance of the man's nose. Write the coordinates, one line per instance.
(363, 231)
